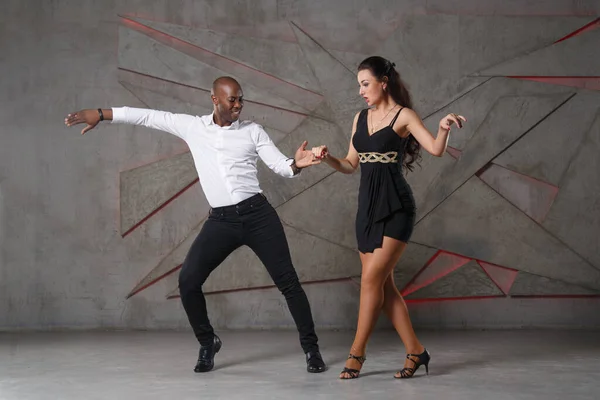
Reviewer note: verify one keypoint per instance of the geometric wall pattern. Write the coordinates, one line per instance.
(510, 210)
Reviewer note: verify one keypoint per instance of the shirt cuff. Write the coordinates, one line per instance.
(290, 161)
(118, 115)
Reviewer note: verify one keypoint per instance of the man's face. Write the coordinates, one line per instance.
(228, 99)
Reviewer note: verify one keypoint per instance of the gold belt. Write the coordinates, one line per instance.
(389, 157)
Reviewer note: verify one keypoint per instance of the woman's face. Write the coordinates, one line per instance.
(371, 89)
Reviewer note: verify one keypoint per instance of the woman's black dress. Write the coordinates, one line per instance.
(386, 206)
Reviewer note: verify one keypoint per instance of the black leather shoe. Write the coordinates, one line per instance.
(206, 358)
(314, 362)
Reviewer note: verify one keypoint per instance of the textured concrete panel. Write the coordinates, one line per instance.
(171, 261)
(241, 270)
(477, 104)
(437, 84)
(481, 45)
(414, 258)
(145, 189)
(4, 281)
(423, 178)
(275, 135)
(501, 276)
(283, 60)
(529, 195)
(279, 30)
(175, 97)
(349, 59)
(161, 101)
(570, 57)
(594, 24)
(175, 91)
(351, 26)
(140, 53)
(476, 222)
(513, 7)
(467, 281)
(327, 209)
(590, 83)
(455, 153)
(537, 156)
(441, 265)
(338, 84)
(534, 285)
(510, 118)
(575, 216)
(316, 131)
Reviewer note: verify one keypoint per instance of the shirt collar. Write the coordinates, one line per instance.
(210, 121)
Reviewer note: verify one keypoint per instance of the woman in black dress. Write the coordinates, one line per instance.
(386, 138)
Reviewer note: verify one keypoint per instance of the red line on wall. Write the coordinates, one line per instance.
(588, 27)
(153, 282)
(163, 205)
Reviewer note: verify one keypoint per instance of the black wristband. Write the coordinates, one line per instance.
(294, 167)
(101, 115)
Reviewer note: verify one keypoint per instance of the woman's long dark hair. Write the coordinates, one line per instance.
(381, 69)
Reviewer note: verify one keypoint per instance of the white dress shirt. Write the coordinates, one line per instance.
(225, 157)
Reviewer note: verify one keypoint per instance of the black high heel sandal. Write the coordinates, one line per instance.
(408, 372)
(353, 372)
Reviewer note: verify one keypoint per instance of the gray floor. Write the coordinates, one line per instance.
(269, 365)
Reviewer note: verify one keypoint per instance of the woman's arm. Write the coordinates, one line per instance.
(435, 146)
(346, 165)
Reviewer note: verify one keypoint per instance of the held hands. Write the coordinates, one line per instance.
(450, 119)
(305, 158)
(320, 152)
(88, 117)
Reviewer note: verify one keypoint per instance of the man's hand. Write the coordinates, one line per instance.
(305, 158)
(88, 117)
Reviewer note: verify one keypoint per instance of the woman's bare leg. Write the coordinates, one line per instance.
(376, 267)
(395, 309)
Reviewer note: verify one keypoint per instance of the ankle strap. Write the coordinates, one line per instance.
(360, 359)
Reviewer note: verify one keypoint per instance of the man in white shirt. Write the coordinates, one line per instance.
(225, 153)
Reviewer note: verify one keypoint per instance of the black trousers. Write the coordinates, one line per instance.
(254, 223)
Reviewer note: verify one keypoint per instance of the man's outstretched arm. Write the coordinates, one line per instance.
(177, 124)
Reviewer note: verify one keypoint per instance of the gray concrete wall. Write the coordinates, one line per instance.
(93, 229)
